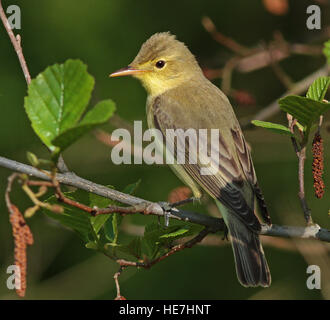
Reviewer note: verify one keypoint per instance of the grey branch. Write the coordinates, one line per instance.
(159, 209)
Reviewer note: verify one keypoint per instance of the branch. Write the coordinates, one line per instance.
(301, 194)
(162, 209)
(300, 150)
(224, 40)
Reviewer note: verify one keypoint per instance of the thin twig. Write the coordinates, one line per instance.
(300, 150)
(11, 180)
(16, 41)
(279, 72)
(222, 39)
(115, 277)
(298, 88)
(303, 202)
(227, 74)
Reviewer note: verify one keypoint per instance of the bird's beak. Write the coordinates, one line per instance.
(127, 72)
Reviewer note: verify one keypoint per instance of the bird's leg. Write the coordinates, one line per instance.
(167, 212)
(167, 207)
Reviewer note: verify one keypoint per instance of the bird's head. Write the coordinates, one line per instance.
(161, 64)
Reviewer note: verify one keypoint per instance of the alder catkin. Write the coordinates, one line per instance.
(22, 237)
(318, 165)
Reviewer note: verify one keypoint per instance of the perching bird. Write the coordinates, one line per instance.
(180, 97)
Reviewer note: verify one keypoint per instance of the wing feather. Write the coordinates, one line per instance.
(228, 182)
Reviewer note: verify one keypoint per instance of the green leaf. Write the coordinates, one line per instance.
(156, 239)
(150, 240)
(99, 115)
(305, 110)
(92, 245)
(111, 227)
(326, 50)
(318, 88)
(87, 226)
(57, 98)
(72, 217)
(131, 188)
(175, 234)
(99, 221)
(150, 248)
(134, 248)
(156, 233)
(275, 127)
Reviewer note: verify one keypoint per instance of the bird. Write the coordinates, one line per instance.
(181, 97)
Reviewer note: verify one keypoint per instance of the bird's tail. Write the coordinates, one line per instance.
(251, 264)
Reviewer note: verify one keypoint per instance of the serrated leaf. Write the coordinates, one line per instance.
(156, 238)
(150, 248)
(326, 51)
(72, 218)
(275, 127)
(150, 240)
(79, 220)
(99, 221)
(153, 231)
(99, 115)
(134, 248)
(57, 98)
(318, 88)
(305, 110)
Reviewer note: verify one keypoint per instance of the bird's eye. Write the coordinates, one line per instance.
(160, 64)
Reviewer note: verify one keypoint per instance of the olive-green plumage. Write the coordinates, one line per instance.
(180, 97)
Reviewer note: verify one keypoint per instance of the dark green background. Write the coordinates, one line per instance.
(106, 35)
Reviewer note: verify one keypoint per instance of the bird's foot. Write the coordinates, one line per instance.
(167, 212)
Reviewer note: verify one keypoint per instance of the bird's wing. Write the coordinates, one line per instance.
(234, 169)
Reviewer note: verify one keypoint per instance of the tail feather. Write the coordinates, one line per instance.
(251, 265)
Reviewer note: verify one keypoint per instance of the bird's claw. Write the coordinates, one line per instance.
(167, 212)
